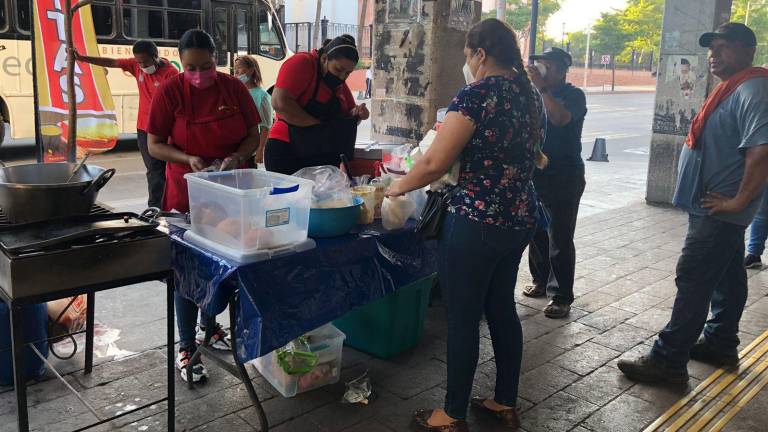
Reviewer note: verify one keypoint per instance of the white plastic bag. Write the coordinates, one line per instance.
(395, 211)
(451, 178)
(331, 188)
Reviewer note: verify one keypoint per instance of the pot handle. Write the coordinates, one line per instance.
(100, 181)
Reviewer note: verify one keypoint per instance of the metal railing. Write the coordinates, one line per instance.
(299, 35)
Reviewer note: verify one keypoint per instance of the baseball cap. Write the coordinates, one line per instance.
(734, 32)
(555, 55)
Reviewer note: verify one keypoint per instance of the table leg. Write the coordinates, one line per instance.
(89, 325)
(244, 377)
(171, 324)
(20, 381)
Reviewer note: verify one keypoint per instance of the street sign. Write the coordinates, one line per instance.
(606, 60)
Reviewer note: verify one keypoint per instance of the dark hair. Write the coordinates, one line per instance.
(251, 63)
(196, 39)
(145, 47)
(343, 46)
(684, 61)
(499, 41)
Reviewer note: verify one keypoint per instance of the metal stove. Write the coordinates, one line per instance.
(66, 257)
(57, 255)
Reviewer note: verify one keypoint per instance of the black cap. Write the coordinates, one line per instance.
(555, 55)
(733, 32)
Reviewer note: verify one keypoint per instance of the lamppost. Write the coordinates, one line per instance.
(534, 27)
(563, 39)
(587, 56)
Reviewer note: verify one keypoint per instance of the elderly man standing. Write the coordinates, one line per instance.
(723, 171)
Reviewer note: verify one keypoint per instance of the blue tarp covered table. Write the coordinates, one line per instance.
(285, 297)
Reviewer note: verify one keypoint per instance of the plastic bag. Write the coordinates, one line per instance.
(395, 211)
(331, 186)
(67, 315)
(297, 357)
(451, 178)
(419, 199)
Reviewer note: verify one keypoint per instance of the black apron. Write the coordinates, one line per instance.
(334, 136)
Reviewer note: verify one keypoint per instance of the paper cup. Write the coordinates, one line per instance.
(368, 195)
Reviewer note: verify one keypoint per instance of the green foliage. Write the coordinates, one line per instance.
(519, 17)
(758, 21)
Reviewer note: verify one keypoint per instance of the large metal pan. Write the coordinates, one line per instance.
(35, 192)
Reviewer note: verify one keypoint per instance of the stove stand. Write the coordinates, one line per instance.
(85, 267)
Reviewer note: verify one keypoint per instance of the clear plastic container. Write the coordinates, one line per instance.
(327, 343)
(249, 210)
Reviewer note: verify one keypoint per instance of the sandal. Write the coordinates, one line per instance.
(557, 310)
(507, 417)
(421, 418)
(535, 291)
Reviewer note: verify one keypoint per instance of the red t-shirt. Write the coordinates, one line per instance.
(298, 75)
(148, 85)
(168, 104)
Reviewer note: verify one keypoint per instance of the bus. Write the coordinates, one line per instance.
(237, 26)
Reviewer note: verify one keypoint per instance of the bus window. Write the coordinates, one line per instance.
(180, 22)
(241, 18)
(269, 38)
(23, 16)
(3, 15)
(143, 23)
(103, 19)
(184, 4)
(220, 35)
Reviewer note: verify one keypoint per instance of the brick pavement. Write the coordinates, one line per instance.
(624, 287)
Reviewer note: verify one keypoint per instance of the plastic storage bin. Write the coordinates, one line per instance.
(327, 343)
(35, 322)
(391, 325)
(249, 210)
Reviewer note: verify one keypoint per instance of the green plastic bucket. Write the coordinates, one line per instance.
(391, 325)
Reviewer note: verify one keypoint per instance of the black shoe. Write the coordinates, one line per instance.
(645, 369)
(706, 353)
(753, 262)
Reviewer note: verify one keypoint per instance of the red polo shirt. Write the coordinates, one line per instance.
(148, 85)
(298, 75)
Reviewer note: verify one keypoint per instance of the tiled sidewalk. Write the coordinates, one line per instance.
(625, 287)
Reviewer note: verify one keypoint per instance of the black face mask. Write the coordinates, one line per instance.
(332, 80)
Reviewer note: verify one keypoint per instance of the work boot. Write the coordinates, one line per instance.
(646, 369)
(706, 353)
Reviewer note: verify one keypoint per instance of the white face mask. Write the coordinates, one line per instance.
(468, 77)
(542, 69)
(149, 70)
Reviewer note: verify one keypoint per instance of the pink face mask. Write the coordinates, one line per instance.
(201, 79)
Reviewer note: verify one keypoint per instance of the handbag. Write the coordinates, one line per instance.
(432, 216)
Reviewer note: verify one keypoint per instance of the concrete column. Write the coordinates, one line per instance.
(683, 84)
(417, 63)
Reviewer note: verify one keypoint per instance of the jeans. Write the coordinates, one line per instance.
(552, 256)
(710, 273)
(477, 266)
(186, 320)
(155, 172)
(758, 231)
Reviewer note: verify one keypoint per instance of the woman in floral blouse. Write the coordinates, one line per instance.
(494, 128)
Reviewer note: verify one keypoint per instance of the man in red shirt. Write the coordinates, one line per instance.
(150, 72)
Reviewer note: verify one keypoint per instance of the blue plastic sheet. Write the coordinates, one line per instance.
(286, 297)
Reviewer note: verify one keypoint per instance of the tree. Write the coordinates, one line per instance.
(519, 17)
(758, 21)
(609, 37)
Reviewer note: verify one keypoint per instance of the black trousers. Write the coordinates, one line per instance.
(552, 254)
(280, 158)
(155, 172)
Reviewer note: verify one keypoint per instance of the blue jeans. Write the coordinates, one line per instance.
(758, 232)
(186, 320)
(477, 265)
(710, 273)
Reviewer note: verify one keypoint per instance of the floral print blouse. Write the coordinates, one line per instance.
(497, 164)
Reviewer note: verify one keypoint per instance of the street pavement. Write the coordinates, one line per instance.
(626, 251)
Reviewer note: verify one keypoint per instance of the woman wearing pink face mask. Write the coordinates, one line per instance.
(197, 117)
